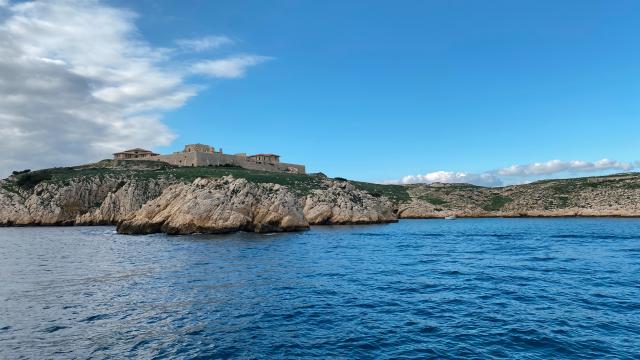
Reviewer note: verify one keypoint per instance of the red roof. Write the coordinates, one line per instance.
(136, 151)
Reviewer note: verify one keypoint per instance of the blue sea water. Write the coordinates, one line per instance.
(470, 288)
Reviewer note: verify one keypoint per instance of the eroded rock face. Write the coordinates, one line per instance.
(342, 203)
(206, 205)
(218, 206)
(121, 203)
(79, 201)
(12, 208)
(53, 203)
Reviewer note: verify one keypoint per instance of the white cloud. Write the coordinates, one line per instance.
(556, 166)
(77, 83)
(232, 67)
(518, 173)
(451, 177)
(204, 43)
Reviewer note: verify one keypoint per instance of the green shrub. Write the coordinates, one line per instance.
(563, 201)
(432, 200)
(394, 192)
(31, 179)
(21, 172)
(497, 202)
(564, 188)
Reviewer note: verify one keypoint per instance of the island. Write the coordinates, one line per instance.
(145, 193)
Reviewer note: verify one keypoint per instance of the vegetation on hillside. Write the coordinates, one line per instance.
(300, 184)
(397, 193)
(30, 179)
(497, 202)
(432, 200)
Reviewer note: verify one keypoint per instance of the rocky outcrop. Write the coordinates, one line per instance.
(213, 205)
(228, 204)
(78, 201)
(218, 206)
(12, 208)
(121, 203)
(53, 203)
(342, 203)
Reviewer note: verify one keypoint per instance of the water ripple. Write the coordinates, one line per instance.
(471, 288)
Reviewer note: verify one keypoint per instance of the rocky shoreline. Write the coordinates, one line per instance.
(207, 205)
(141, 201)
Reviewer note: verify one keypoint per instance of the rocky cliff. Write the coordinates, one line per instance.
(218, 206)
(144, 198)
(340, 202)
(126, 198)
(227, 204)
(88, 201)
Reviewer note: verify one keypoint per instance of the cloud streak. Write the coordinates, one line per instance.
(556, 166)
(485, 179)
(204, 43)
(519, 173)
(232, 67)
(78, 82)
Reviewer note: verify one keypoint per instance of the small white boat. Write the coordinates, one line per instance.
(451, 217)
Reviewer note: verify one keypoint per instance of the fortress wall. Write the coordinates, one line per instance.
(255, 166)
(196, 159)
(278, 167)
(178, 159)
(213, 159)
(218, 159)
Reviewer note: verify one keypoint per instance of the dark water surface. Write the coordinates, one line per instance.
(479, 288)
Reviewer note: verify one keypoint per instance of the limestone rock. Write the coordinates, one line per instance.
(218, 206)
(342, 203)
(83, 200)
(54, 203)
(12, 208)
(120, 204)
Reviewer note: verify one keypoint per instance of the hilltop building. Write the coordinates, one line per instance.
(136, 153)
(265, 158)
(205, 155)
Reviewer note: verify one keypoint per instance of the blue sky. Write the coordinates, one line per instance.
(379, 90)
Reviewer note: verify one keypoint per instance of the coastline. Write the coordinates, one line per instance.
(595, 216)
(145, 197)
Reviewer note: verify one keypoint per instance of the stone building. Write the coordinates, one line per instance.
(199, 148)
(205, 155)
(265, 158)
(136, 153)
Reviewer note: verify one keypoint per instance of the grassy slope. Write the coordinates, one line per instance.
(301, 184)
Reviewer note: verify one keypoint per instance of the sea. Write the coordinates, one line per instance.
(566, 288)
